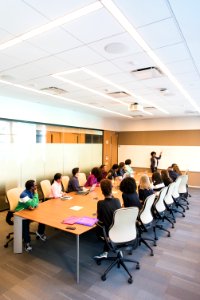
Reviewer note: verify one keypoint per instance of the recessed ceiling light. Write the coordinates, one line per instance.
(115, 48)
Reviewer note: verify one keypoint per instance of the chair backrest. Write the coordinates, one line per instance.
(146, 216)
(13, 197)
(65, 181)
(183, 185)
(168, 197)
(123, 228)
(159, 205)
(175, 192)
(81, 179)
(46, 187)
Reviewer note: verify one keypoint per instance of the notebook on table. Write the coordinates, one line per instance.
(70, 220)
(65, 197)
(87, 221)
(86, 191)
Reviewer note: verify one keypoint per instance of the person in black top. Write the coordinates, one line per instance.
(73, 182)
(158, 183)
(165, 177)
(130, 197)
(172, 174)
(154, 161)
(121, 170)
(112, 173)
(145, 189)
(105, 211)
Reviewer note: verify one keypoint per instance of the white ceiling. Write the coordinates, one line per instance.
(99, 43)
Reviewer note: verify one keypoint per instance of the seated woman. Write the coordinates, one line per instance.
(128, 167)
(172, 174)
(130, 197)
(145, 189)
(158, 183)
(176, 169)
(73, 185)
(121, 170)
(56, 187)
(103, 172)
(112, 173)
(165, 177)
(93, 177)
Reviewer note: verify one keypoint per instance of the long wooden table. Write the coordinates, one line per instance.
(54, 211)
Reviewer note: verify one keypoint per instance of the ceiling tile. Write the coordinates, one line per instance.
(17, 17)
(161, 34)
(83, 30)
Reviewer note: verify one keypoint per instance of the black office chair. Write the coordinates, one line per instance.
(121, 236)
(13, 198)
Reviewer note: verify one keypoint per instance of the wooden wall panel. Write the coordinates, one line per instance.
(110, 148)
(167, 137)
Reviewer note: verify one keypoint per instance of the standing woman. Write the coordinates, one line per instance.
(56, 187)
(145, 189)
(154, 161)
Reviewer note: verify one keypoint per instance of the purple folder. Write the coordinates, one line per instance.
(87, 221)
(70, 220)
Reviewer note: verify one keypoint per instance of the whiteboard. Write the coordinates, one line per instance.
(186, 157)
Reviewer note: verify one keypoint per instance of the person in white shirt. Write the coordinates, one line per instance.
(56, 187)
(128, 169)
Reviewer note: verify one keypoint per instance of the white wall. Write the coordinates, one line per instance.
(187, 157)
(187, 123)
(27, 111)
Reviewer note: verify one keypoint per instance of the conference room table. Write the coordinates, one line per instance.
(52, 212)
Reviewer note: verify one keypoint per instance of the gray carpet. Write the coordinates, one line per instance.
(49, 271)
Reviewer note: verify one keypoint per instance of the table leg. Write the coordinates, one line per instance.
(17, 245)
(77, 258)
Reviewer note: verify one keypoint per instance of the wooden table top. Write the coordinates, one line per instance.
(52, 212)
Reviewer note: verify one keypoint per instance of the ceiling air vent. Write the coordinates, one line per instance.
(147, 73)
(119, 94)
(54, 90)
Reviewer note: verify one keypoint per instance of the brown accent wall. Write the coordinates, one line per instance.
(167, 137)
(163, 138)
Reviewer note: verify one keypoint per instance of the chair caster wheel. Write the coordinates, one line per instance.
(169, 234)
(152, 254)
(6, 246)
(155, 244)
(103, 277)
(183, 216)
(130, 280)
(137, 267)
(37, 238)
(8, 236)
(156, 238)
(173, 226)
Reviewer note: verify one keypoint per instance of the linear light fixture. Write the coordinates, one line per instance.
(114, 10)
(58, 22)
(121, 88)
(62, 98)
(103, 79)
(58, 76)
